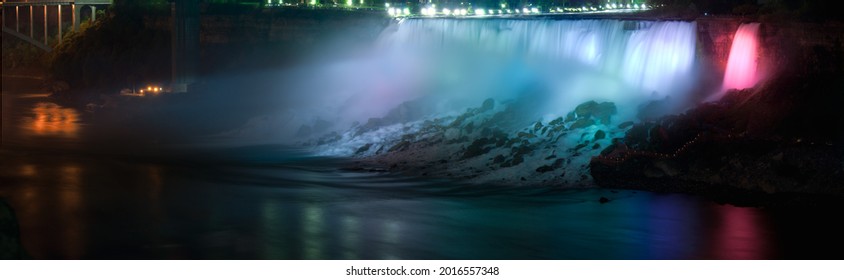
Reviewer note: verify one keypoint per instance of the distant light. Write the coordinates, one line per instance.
(446, 11)
(480, 12)
(503, 5)
(149, 88)
(628, 5)
(525, 10)
(350, 2)
(614, 6)
(534, 10)
(406, 11)
(387, 5)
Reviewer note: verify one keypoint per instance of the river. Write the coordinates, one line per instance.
(81, 195)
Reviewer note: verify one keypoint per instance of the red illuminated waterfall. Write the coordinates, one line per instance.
(741, 66)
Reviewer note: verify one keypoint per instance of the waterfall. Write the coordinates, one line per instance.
(653, 58)
(443, 66)
(742, 63)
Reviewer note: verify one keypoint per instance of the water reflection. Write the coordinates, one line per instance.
(71, 202)
(51, 119)
(673, 227)
(351, 237)
(740, 235)
(313, 231)
(88, 208)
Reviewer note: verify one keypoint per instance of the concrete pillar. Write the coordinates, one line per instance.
(60, 21)
(45, 26)
(31, 23)
(93, 13)
(74, 14)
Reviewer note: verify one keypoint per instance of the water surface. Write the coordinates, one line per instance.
(79, 195)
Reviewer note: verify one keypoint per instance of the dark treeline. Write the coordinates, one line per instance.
(122, 48)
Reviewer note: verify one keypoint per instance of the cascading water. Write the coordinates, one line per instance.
(650, 59)
(742, 64)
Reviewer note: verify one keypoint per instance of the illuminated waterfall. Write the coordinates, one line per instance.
(448, 65)
(655, 58)
(742, 63)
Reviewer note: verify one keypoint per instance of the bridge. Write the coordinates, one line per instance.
(20, 17)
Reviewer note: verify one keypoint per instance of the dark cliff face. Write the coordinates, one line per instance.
(786, 137)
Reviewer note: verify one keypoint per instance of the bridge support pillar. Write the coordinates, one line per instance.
(93, 13)
(59, 8)
(17, 19)
(31, 23)
(75, 16)
(45, 26)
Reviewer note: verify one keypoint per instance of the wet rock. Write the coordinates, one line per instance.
(584, 110)
(604, 111)
(625, 125)
(600, 111)
(498, 159)
(401, 146)
(469, 128)
(363, 148)
(537, 126)
(518, 159)
(544, 168)
(478, 147)
(600, 134)
(558, 163)
(556, 122)
(579, 146)
(488, 105)
(526, 135)
(581, 123)
(570, 117)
